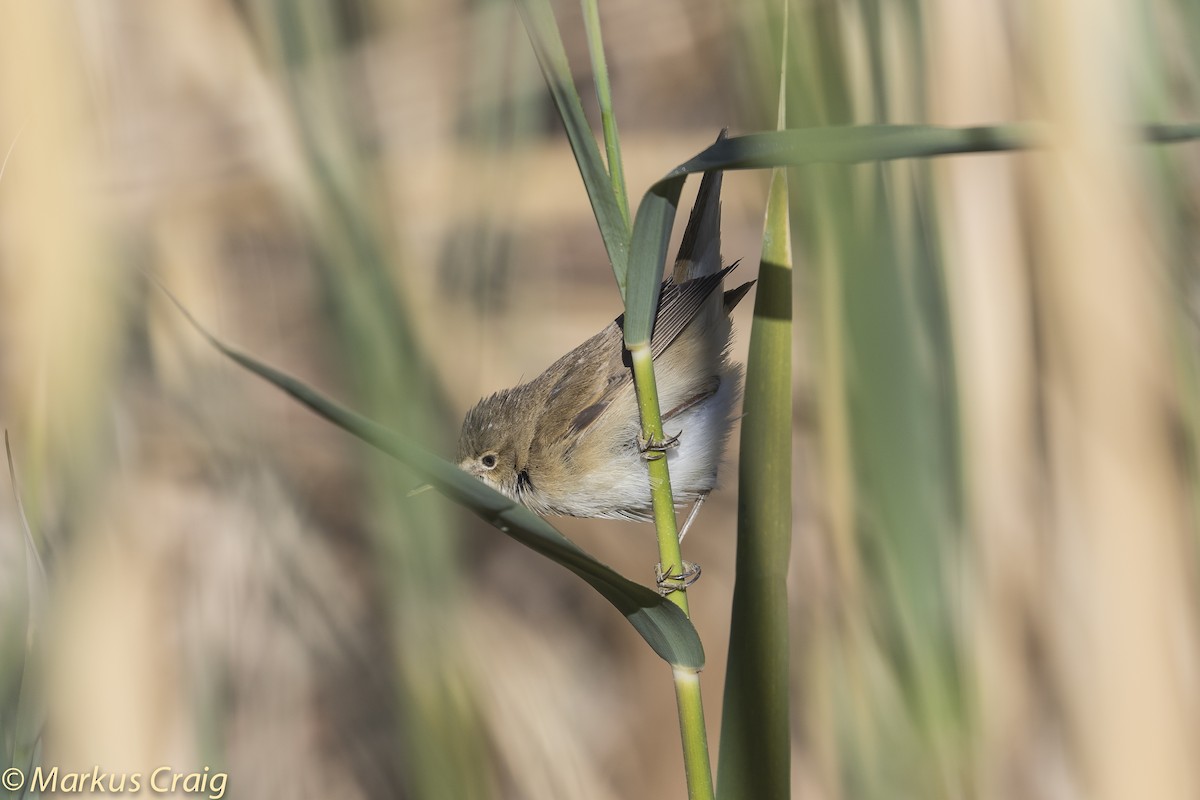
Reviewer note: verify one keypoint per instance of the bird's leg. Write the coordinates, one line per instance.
(669, 582)
(691, 517)
(652, 449)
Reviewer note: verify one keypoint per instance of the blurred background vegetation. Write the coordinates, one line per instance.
(994, 563)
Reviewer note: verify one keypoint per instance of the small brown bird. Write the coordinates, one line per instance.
(569, 441)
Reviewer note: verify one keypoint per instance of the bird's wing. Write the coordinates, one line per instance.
(595, 377)
(700, 249)
(678, 305)
(582, 385)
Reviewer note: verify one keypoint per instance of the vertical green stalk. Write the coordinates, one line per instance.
(691, 727)
(755, 729)
(660, 477)
(687, 681)
(612, 143)
(755, 738)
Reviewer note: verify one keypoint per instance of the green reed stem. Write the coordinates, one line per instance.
(660, 476)
(695, 740)
(687, 681)
(612, 143)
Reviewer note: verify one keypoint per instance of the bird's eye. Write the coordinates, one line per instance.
(489, 461)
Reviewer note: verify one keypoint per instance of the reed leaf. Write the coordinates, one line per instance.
(755, 754)
(755, 751)
(552, 57)
(838, 144)
(664, 627)
(21, 714)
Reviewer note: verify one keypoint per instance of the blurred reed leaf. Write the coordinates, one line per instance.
(35, 569)
(885, 660)
(389, 373)
(664, 627)
(342, 207)
(21, 715)
(608, 120)
(552, 57)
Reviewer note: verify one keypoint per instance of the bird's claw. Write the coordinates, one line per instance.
(668, 581)
(652, 449)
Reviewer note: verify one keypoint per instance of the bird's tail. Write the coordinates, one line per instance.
(700, 250)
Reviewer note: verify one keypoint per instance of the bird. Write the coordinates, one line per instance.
(569, 442)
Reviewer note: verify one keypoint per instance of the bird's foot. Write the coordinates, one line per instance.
(668, 581)
(653, 449)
